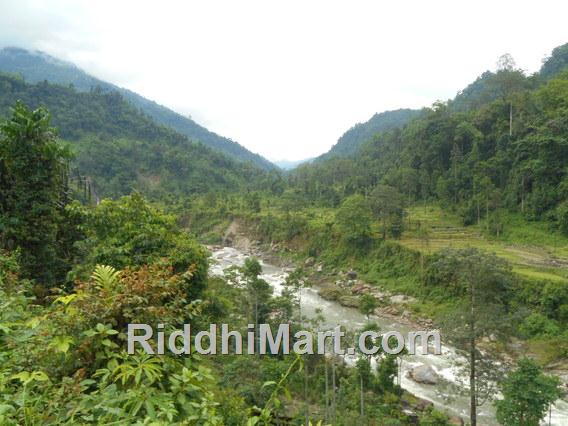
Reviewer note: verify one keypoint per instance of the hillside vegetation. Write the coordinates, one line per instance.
(350, 142)
(463, 210)
(119, 149)
(37, 67)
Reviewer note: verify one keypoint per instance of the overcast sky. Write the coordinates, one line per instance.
(287, 78)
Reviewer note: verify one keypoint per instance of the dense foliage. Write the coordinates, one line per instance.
(477, 161)
(63, 335)
(33, 196)
(360, 133)
(527, 394)
(120, 149)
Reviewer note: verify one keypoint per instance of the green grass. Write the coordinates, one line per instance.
(534, 250)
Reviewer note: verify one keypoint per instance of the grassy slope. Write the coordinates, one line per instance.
(532, 248)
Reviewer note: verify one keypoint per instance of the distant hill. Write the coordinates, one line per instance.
(352, 139)
(121, 149)
(289, 165)
(37, 66)
(480, 92)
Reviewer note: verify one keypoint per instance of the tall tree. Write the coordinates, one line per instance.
(33, 181)
(482, 284)
(507, 80)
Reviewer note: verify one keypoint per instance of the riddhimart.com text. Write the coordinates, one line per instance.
(261, 340)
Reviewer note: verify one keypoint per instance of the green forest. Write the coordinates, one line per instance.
(454, 216)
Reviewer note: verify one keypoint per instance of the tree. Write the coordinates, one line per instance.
(354, 221)
(132, 232)
(258, 292)
(482, 285)
(507, 80)
(295, 282)
(367, 305)
(527, 394)
(33, 182)
(387, 205)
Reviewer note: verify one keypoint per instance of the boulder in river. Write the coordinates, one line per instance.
(424, 374)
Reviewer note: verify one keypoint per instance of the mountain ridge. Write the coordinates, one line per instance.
(349, 143)
(37, 66)
(122, 148)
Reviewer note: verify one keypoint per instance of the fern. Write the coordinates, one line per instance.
(105, 277)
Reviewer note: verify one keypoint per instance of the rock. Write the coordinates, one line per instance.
(360, 288)
(350, 301)
(401, 299)
(351, 274)
(423, 404)
(455, 420)
(310, 261)
(319, 268)
(332, 293)
(413, 418)
(424, 374)
(388, 310)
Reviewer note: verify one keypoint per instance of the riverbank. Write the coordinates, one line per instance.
(344, 287)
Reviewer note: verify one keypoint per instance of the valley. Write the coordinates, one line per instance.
(116, 210)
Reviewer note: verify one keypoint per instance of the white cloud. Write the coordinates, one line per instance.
(287, 78)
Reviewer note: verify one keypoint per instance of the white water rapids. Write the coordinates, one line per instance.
(335, 314)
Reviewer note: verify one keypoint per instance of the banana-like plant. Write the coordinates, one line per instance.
(105, 277)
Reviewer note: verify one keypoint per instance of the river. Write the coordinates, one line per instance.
(335, 314)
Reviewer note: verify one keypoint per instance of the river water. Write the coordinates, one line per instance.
(335, 314)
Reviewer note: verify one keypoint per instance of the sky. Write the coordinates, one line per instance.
(287, 78)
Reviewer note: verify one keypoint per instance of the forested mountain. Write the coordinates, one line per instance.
(508, 149)
(121, 149)
(37, 66)
(360, 133)
(486, 88)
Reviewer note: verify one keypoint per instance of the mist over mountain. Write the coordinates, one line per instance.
(38, 66)
(291, 164)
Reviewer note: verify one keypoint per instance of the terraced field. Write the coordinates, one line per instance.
(534, 250)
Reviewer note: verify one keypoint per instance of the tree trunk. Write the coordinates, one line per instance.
(362, 398)
(306, 405)
(326, 393)
(511, 119)
(472, 391)
(256, 333)
(487, 213)
(472, 384)
(333, 406)
(523, 194)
